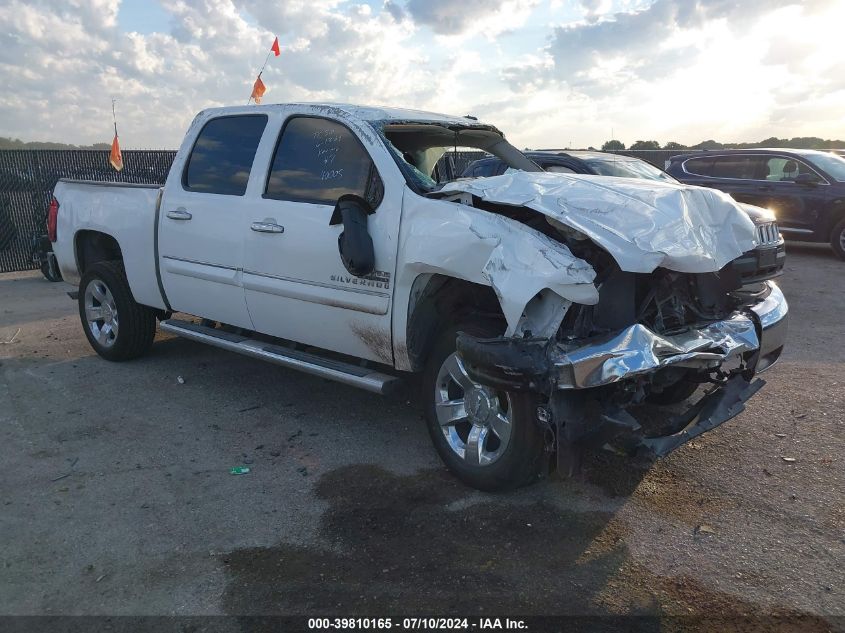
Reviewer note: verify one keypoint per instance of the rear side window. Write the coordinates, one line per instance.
(222, 156)
(699, 166)
(318, 161)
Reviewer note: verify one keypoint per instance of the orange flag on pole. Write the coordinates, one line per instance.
(258, 89)
(115, 157)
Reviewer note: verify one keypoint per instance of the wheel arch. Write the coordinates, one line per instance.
(90, 247)
(836, 215)
(437, 301)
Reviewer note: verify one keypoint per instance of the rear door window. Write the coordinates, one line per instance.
(736, 166)
(786, 169)
(221, 159)
(318, 161)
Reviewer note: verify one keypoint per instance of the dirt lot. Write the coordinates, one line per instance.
(116, 495)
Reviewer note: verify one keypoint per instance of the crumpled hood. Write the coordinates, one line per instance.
(643, 224)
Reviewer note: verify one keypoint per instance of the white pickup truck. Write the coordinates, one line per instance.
(538, 311)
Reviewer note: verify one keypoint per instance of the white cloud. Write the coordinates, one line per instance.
(669, 69)
(685, 70)
(469, 17)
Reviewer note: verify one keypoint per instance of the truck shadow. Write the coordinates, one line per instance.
(423, 544)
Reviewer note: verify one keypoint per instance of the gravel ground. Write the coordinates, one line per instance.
(117, 499)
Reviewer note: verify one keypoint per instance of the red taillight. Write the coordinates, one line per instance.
(52, 218)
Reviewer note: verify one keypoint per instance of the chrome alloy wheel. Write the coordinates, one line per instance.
(101, 312)
(842, 239)
(475, 420)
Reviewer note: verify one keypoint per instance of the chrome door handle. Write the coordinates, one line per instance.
(267, 227)
(179, 214)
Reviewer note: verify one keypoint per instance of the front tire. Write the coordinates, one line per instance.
(837, 239)
(489, 439)
(116, 326)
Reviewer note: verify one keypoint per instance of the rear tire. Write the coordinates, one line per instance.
(837, 239)
(50, 268)
(503, 426)
(117, 327)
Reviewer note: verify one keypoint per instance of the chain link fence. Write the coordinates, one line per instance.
(27, 178)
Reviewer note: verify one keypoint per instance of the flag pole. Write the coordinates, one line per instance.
(263, 66)
(266, 59)
(113, 116)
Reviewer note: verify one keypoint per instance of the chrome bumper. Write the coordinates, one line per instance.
(637, 350)
(753, 337)
(773, 312)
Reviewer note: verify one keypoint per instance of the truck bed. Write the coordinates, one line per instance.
(127, 212)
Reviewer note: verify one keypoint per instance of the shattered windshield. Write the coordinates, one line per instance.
(418, 148)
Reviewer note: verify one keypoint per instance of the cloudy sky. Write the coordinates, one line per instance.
(547, 72)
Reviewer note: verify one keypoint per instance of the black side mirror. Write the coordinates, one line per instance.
(355, 244)
(806, 179)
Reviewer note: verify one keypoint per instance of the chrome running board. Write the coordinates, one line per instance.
(339, 371)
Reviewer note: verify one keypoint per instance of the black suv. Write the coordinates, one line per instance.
(764, 262)
(804, 188)
(575, 162)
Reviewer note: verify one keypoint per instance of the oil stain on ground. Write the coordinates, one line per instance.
(412, 545)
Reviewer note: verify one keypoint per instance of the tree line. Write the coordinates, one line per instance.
(16, 143)
(798, 142)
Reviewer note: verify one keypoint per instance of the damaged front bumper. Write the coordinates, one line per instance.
(735, 350)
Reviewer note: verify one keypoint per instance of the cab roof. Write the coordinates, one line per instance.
(366, 113)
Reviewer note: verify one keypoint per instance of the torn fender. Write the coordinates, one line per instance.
(643, 224)
(481, 247)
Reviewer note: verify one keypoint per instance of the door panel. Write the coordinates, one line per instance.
(203, 218)
(361, 300)
(795, 205)
(295, 283)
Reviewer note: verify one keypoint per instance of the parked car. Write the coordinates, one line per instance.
(804, 188)
(575, 162)
(764, 261)
(537, 311)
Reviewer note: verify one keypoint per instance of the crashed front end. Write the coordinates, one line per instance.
(616, 371)
(667, 319)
